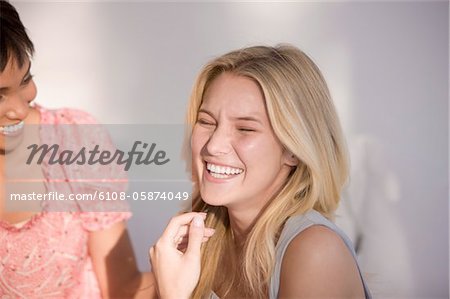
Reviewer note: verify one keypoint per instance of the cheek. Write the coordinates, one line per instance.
(34, 92)
(248, 149)
(30, 91)
(259, 151)
(198, 141)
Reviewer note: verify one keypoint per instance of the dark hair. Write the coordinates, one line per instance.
(14, 41)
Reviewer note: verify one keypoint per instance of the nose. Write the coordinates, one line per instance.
(219, 142)
(18, 107)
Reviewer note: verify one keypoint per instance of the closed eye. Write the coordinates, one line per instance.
(246, 129)
(205, 122)
(27, 79)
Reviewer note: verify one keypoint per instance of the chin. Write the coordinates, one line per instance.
(214, 200)
(9, 145)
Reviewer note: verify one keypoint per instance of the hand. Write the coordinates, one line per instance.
(176, 259)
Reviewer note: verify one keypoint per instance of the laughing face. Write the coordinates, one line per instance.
(237, 160)
(17, 90)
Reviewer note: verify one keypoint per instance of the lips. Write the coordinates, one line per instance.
(12, 130)
(222, 172)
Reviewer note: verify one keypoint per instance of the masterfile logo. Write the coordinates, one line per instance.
(96, 155)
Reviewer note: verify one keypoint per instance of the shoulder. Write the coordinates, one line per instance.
(318, 263)
(318, 249)
(65, 116)
(75, 116)
(72, 126)
(317, 240)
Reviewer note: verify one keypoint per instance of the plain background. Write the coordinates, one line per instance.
(386, 65)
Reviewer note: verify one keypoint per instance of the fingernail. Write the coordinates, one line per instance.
(198, 221)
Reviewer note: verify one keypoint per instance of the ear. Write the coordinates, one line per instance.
(289, 158)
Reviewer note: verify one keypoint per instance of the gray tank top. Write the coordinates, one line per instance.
(293, 226)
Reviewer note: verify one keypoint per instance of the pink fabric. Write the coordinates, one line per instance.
(48, 256)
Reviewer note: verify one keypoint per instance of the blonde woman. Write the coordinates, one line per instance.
(268, 162)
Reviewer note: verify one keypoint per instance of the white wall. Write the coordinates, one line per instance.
(387, 67)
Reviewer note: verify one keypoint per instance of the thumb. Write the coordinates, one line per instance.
(196, 232)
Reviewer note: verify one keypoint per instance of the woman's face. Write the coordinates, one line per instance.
(17, 90)
(237, 159)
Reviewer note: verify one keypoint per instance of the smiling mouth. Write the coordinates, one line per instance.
(11, 129)
(222, 172)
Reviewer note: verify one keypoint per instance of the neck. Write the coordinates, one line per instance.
(242, 221)
(244, 215)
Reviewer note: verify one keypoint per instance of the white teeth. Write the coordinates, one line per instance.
(12, 128)
(218, 175)
(221, 171)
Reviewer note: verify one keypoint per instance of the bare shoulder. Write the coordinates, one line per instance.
(318, 264)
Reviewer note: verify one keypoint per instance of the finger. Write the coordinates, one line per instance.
(209, 232)
(196, 232)
(184, 241)
(176, 223)
(182, 246)
(183, 232)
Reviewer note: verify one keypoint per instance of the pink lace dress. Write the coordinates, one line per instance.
(47, 256)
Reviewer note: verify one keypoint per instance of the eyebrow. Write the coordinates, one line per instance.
(205, 111)
(3, 89)
(241, 118)
(248, 118)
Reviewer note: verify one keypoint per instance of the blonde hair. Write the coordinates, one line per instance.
(304, 119)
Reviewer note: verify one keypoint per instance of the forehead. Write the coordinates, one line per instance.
(14, 63)
(13, 72)
(234, 94)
